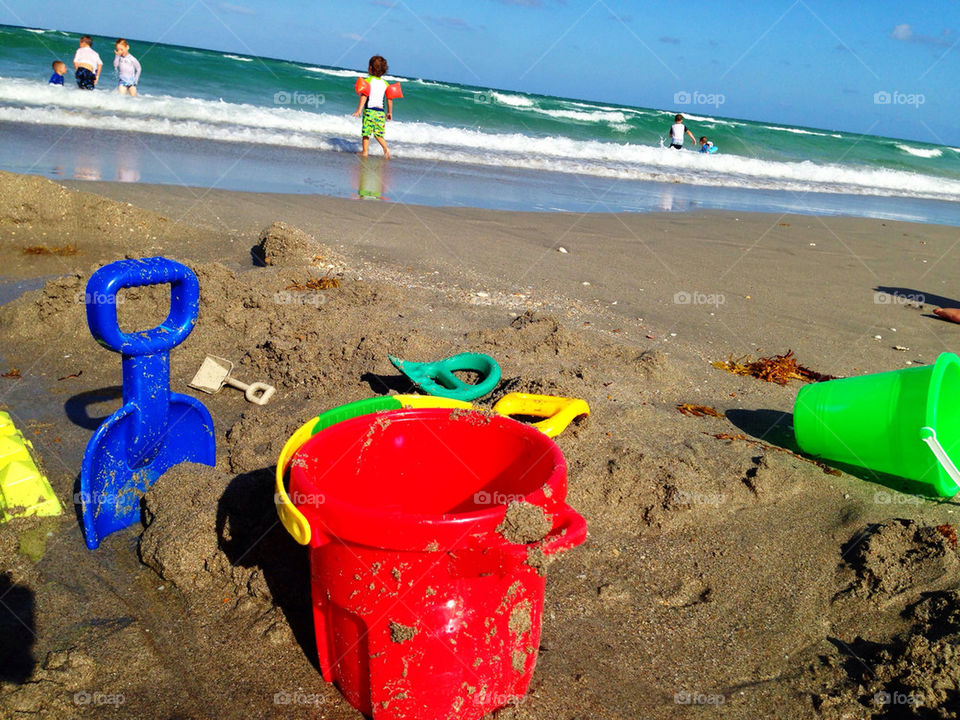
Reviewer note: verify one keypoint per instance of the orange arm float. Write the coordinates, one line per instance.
(362, 87)
(394, 91)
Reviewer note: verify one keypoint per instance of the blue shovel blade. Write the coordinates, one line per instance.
(110, 489)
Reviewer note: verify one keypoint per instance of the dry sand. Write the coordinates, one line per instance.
(722, 577)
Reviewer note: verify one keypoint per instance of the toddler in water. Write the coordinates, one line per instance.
(127, 67)
(87, 64)
(59, 70)
(705, 145)
(374, 117)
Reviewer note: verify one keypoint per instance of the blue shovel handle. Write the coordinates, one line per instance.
(105, 283)
(145, 354)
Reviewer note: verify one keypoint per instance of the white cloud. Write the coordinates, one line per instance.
(238, 9)
(902, 32)
(905, 33)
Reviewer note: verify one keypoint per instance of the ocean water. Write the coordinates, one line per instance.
(284, 114)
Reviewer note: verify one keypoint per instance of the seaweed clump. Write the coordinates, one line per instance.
(779, 369)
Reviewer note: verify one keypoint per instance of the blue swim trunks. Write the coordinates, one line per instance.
(86, 80)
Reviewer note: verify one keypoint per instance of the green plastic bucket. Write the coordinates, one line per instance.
(903, 422)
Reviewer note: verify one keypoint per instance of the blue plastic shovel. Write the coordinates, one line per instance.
(155, 429)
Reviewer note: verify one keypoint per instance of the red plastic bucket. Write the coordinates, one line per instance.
(427, 604)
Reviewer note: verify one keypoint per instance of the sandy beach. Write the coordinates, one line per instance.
(724, 576)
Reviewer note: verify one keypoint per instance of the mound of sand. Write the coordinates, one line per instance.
(283, 245)
(917, 675)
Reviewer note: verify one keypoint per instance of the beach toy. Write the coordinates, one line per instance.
(362, 87)
(292, 519)
(155, 428)
(437, 378)
(564, 411)
(24, 490)
(903, 422)
(427, 589)
(214, 373)
(558, 412)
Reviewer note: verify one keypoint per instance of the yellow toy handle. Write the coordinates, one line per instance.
(558, 412)
(292, 519)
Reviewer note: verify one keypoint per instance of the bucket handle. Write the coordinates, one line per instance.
(569, 530)
(291, 517)
(558, 411)
(929, 436)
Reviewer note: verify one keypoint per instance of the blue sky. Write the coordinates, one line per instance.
(822, 64)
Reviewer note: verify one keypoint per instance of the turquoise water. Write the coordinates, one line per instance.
(202, 95)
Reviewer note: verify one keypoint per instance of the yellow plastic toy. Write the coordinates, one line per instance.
(559, 412)
(24, 491)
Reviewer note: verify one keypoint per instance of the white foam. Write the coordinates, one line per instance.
(30, 102)
(593, 113)
(800, 131)
(511, 100)
(921, 152)
(334, 73)
(237, 57)
(706, 118)
(35, 31)
(595, 116)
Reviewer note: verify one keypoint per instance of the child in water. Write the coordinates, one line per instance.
(127, 67)
(374, 117)
(59, 70)
(677, 131)
(705, 145)
(87, 64)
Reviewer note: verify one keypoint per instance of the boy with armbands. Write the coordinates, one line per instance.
(374, 91)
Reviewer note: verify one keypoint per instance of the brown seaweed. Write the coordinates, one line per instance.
(779, 369)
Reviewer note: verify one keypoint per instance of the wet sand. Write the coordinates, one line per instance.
(724, 575)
